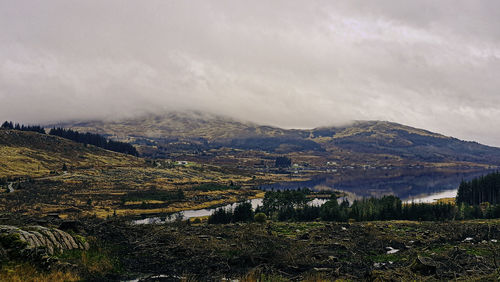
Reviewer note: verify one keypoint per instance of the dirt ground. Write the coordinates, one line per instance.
(315, 251)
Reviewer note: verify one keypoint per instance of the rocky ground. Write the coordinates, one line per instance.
(274, 251)
(286, 251)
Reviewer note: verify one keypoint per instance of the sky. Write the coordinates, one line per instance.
(295, 64)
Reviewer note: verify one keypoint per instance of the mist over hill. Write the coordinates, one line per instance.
(198, 133)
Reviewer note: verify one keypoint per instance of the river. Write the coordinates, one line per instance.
(206, 212)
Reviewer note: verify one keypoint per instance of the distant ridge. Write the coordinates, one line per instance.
(376, 139)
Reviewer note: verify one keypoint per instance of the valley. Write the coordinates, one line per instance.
(159, 203)
(99, 182)
(238, 159)
(249, 141)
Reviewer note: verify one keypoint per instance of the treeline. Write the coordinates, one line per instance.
(22, 127)
(243, 212)
(277, 200)
(283, 162)
(95, 139)
(291, 206)
(480, 190)
(476, 199)
(86, 138)
(392, 208)
(371, 209)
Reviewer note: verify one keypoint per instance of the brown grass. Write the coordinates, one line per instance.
(26, 272)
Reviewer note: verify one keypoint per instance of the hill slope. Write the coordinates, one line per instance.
(196, 132)
(104, 183)
(181, 125)
(25, 153)
(378, 137)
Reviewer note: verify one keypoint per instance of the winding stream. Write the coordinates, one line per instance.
(206, 212)
(419, 186)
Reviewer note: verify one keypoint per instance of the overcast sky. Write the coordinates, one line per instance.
(430, 64)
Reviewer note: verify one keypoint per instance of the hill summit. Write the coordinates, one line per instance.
(199, 133)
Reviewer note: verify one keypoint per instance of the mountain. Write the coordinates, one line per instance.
(181, 125)
(25, 153)
(191, 133)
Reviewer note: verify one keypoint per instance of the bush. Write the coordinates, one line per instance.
(221, 216)
(260, 217)
(243, 212)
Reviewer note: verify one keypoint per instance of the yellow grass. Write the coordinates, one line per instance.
(145, 201)
(446, 201)
(27, 272)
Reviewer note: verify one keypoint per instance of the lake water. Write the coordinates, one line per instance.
(419, 185)
(206, 212)
(411, 185)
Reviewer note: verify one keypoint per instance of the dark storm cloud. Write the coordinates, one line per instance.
(430, 64)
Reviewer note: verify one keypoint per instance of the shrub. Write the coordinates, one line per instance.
(221, 216)
(243, 212)
(260, 217)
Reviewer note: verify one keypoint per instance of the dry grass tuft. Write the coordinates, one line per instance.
(26, 272)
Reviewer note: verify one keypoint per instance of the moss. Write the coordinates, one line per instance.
(96, 261)
(387, 258)
(12, 241)
(80, 239)
(479, 251)
(440, 249)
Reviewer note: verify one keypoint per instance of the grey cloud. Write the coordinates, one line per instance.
(428, 64)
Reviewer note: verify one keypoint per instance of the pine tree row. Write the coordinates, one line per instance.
(94, 139)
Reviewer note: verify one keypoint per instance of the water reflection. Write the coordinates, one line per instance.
(206, 212)
(420, 185)
(417, 185)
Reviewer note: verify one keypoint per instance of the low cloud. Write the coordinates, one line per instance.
(427, 64)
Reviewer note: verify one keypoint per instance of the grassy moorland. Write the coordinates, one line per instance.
(49, 174)
(31, 154)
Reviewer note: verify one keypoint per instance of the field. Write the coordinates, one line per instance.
(51, 175)
(131, 191)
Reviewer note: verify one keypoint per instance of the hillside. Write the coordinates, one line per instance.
(24, 153)
(175, 134)
(378, 137)
(103, 182)
(177, 125)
